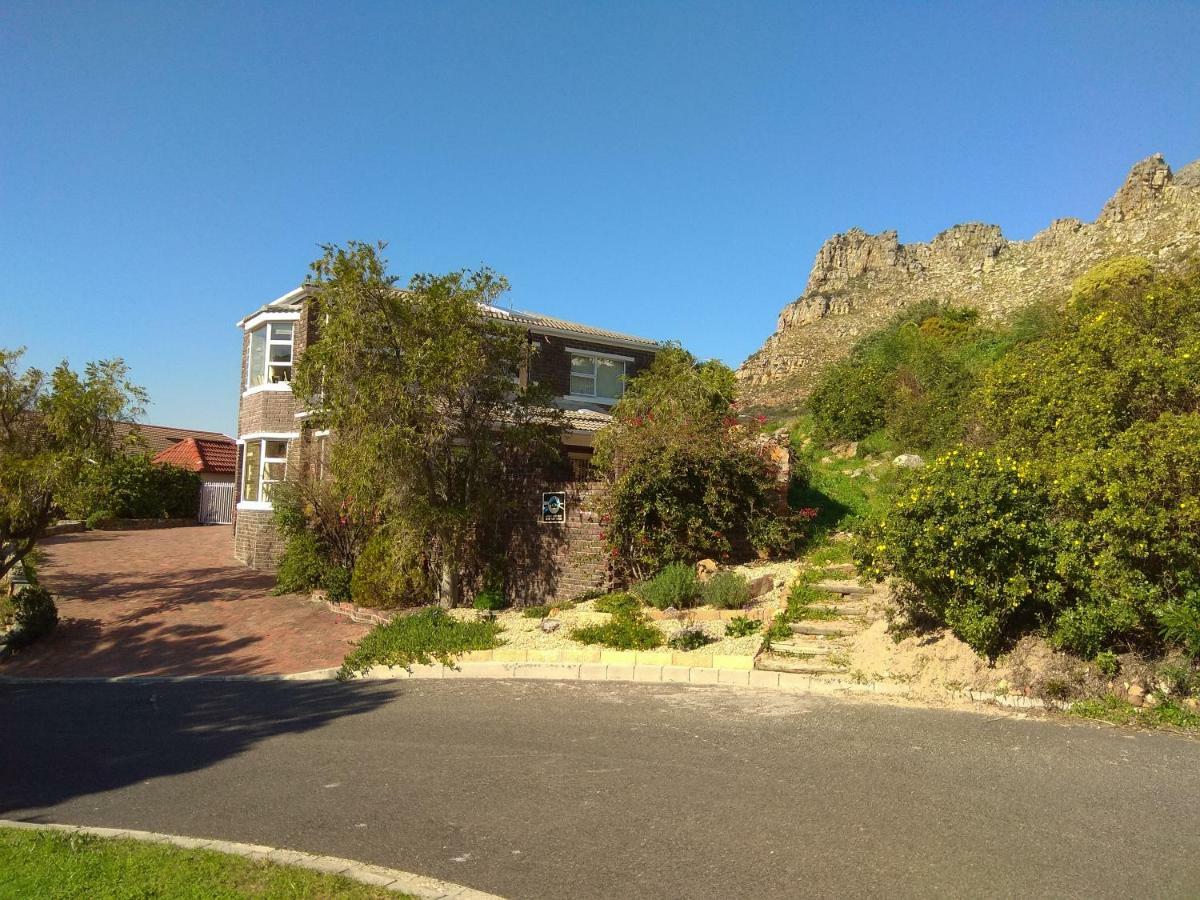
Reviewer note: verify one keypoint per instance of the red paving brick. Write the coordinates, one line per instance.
(173, 601)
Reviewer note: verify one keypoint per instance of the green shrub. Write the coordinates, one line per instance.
(741, 626)
(34, 615)
(593, 594)
(626, 631)
(686, 478)
(490, 600)
(969, 536)
(726, 590)
(1108, 663)
(535, 612)
(1181, 624)
(130, 486)
(618, 604)
(98, 519)
(675, 586)
(300, 567)
(777, 535)
(336, 582)
(390, 572)
(420, 638)
(1178, 680)
(910, 380)
(691, 637)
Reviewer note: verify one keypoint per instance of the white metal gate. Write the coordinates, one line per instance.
(216, 503)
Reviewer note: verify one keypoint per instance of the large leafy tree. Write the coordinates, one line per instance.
(421, 388)
(685, 478)
(53, 428)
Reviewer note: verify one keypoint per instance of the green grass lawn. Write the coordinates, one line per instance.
(48, 864)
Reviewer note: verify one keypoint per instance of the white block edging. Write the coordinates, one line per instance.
(377, 876)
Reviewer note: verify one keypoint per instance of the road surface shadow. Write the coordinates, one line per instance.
(62, 741)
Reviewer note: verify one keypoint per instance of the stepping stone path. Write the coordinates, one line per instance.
(816, 645)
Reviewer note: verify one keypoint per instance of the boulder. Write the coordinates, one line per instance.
(908, 461)
(549, 625)
(846, 451)
(761, 585)
(1136, 694)
(706, 569)
(1151, 701)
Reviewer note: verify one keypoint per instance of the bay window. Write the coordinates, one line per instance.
(270, 354)
(597, 375)
(264, 465)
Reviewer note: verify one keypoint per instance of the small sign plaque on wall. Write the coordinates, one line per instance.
(554, 507)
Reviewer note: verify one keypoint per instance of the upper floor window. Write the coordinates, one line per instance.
(270, 354)
(599, 375)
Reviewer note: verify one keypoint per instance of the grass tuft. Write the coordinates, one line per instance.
(421, 638)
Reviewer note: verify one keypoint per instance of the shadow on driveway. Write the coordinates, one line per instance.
(63, 741)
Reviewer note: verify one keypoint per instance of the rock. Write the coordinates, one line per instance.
(908, 461)
(858, 281)
(857, 473)
(1191, 703)
(706, 569)
(549, 625)
(1136, 694)
(846, 451)
(1150, 701)
(761, 585)
(826, 460)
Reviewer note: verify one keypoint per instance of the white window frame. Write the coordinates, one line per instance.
(269, 321)
(595, 355)
(261, 439)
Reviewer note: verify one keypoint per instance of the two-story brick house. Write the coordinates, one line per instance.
(584, 366)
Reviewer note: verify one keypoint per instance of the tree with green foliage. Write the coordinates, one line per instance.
(1082, 515)
(685, 478)
(53, 428)
(420, 387)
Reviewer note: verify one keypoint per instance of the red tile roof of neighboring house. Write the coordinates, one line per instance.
(157, 438)
(201, 455)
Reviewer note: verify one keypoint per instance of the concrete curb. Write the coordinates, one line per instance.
(645, 673)
(377, 876)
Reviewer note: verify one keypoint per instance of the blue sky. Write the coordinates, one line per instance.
(668, 169)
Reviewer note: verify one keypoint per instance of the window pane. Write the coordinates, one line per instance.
(281, 374)
(258, 357)
(276, 449)
(582, 365)
(250, 472)
(274, 471)
(281, 331)
(609, 373)
(281, 353)
(583, 384)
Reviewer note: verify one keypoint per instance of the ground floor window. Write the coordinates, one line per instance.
(264, 465)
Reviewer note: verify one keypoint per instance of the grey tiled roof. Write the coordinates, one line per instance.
(519, 317)
(538, 320)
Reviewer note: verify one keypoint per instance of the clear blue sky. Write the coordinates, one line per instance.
(668, 169)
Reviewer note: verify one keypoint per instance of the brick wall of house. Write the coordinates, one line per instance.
(550, 562)
(551, 363)
(256, 541)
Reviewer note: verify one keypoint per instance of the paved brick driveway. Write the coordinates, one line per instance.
(173, 601)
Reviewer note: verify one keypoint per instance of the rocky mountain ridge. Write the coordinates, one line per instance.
(859, 281)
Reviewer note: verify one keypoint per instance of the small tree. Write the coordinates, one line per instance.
(52, 429)
(685, 479)
(421, 389)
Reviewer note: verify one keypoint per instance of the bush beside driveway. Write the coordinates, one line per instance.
(173, 602)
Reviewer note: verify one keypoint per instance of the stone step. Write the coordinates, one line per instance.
(844, 609)
(803, 648)
(842, 568)
(826, 629)
(843, 588)
(772, 663)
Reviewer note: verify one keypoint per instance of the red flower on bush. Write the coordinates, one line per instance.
(808, 513)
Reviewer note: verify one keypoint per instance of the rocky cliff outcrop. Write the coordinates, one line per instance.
(860, 280)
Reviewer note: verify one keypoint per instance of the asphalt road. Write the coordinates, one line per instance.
(541, 789)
